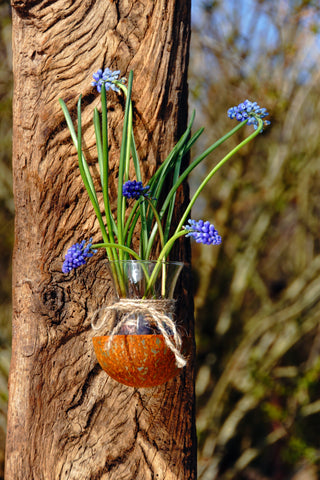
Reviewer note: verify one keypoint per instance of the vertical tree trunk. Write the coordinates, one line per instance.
(67, 419)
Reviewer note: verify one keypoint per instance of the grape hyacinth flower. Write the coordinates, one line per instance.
(134, 189)
(153, 227)
(106, 77)
(77, 255)
(248, 111)
(203, 232)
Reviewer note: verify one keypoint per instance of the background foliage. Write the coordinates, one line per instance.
(257, 296)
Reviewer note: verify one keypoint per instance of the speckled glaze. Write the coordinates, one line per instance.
(138, 360)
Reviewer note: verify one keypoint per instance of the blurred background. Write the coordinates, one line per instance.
(6, 214)
(257, 296)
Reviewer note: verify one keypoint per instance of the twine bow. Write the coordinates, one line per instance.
(158, 311)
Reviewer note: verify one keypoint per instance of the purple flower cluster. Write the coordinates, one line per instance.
(248, 111)
(106, 77)
(134, 189)
(203, 232)
(77, 255)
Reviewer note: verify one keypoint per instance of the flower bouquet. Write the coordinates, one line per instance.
(144, 346)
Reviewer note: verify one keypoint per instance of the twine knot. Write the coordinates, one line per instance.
(158, 312)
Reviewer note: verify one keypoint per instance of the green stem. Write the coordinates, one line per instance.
(105, 167)
(158, 221)
(124, 160)
(132, 218)
(131, 147)
(214, 170)
(161, 235)
(116, 265)
(179, 232)
(117, 246)
(86, 176)
(144, 225)
(161, 258)
(185, 174)
(85, 172)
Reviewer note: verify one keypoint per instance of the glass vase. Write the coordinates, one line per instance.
(144, 342)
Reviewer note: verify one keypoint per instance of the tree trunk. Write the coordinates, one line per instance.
(67, 419)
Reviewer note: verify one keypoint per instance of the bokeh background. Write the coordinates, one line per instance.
(6, 214)
(257, 295)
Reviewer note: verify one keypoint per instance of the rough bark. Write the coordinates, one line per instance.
(67, 419)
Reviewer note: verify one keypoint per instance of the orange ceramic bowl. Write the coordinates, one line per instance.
(137, 360)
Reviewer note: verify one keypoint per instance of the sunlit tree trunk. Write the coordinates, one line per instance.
(67, 419)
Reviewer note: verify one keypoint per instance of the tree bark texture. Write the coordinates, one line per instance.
(67, 419)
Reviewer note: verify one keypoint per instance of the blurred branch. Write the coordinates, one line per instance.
(257, 299)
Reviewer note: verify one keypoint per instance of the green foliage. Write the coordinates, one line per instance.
(257, 297)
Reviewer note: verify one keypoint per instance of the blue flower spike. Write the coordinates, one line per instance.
(248, 111)
(106, 78)
(77, 255)
(203, 232)
(134, 189)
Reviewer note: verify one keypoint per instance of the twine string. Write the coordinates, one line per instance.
(158, 310)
